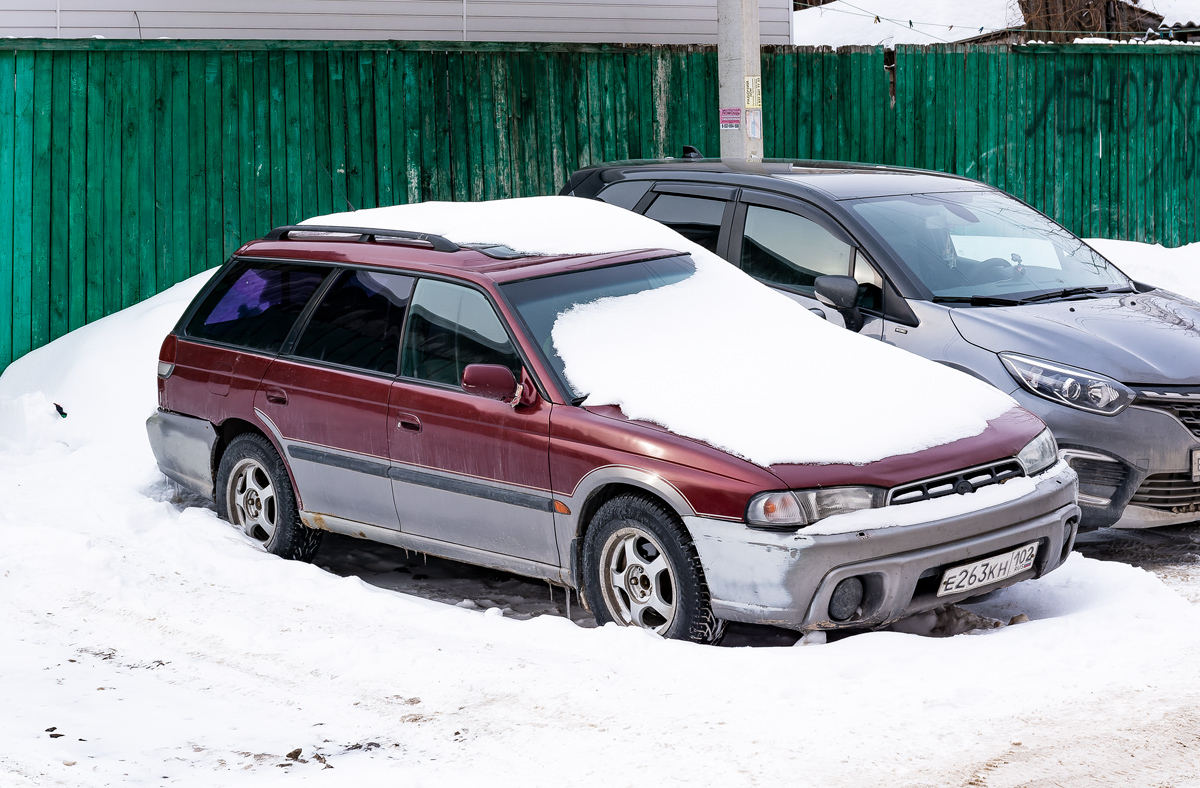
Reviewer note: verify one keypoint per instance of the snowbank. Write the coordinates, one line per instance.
(147, 643)
(103, 377)
(912, 22)
(718, 357)
(1177, 270)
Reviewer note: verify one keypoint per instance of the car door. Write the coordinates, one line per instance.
(327, 396)
(788, 244)
(467, 470)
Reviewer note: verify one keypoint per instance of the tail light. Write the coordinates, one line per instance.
(166, 357)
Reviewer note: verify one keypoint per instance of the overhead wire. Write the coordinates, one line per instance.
(912, 23)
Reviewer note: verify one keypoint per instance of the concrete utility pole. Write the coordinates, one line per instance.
(739, 70)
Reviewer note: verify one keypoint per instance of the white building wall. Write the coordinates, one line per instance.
(592, 21)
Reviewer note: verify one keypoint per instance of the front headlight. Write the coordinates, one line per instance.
(794, 508)
(1070, 386)
(1039, 454)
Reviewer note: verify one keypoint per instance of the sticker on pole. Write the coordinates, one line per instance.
(753, 92)
(731, 117)
(754, 124)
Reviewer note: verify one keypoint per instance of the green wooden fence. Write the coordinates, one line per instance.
(128, 166)
(1102, 138)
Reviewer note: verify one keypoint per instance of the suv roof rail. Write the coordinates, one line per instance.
(365, 235)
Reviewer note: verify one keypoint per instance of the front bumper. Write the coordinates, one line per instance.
(787, 579)
(1146, 448)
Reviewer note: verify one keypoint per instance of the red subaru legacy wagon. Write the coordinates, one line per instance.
(396, 386)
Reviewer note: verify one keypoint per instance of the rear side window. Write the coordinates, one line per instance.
(450, 327)
(696, 218)
(358, 322)
(624, 194)
(256, 304)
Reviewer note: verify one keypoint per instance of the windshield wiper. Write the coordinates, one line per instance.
(1065, 293)
(977, 300)
(579, 400)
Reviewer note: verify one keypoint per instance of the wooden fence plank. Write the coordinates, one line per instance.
(42, 193)
(60, 193)
(8, 62)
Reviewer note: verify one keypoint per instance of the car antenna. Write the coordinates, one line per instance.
(691, 152)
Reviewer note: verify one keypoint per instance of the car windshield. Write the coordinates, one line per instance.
(986, 246)
(540, 301)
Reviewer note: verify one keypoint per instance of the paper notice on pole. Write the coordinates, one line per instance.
(753, 93)
(754, 124)
(731, 117)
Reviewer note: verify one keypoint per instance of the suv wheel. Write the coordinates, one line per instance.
(640, 569)
(255, 494)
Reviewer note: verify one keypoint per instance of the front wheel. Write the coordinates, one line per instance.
(640, 569)
(255, 494)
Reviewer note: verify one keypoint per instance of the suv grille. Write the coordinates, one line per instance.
(1183, 403)
(1169, 492)
(954, 483)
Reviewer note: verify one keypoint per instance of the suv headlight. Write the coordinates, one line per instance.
(1070, 386)
(794, 508)
(1039, 454)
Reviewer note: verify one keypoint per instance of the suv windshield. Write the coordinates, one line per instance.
(540, 301)
(987, 247)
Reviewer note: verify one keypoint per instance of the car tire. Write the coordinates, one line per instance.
(641, 569)
(254, 493)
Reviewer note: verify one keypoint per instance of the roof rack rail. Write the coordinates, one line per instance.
(365, 235)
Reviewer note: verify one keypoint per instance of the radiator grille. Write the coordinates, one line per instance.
(1182, 403)
(955, 483)
(1169, 492)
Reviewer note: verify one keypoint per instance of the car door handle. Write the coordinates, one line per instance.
(277, 396)
(409, 422)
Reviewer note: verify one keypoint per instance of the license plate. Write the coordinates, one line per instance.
(988, 571)
(1196, 465)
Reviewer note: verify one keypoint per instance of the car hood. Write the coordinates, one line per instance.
(1136, 338)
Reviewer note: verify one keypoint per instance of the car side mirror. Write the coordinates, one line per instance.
(841, 293)
(490, 380)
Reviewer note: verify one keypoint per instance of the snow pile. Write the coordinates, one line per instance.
(147, 643)
(913, 22)
(719, 357)
(102, 389)
(1177, 270)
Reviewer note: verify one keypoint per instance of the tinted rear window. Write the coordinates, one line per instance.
(256, 304)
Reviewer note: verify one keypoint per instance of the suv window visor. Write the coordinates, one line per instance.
(983, 245)
(540, 301)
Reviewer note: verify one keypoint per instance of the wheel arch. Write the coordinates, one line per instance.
(233, 427)
(604, 484)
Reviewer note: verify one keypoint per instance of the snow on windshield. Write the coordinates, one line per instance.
(718, 357)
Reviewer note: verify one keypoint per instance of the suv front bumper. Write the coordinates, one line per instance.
(787, 579)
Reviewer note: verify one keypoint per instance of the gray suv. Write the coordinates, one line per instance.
(969, 276)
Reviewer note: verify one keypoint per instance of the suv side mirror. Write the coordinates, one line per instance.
(841, 293)
(490, 380)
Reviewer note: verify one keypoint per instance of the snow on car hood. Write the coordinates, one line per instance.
(718, 357)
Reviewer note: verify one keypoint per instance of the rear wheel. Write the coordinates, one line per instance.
(640, 569)
(255, 494)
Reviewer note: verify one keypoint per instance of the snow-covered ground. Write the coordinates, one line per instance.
(145, 642)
